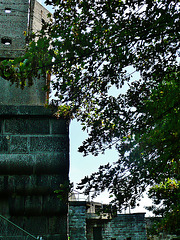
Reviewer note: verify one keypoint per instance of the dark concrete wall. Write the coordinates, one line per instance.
(34, 161)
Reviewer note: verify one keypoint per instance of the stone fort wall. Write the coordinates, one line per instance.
(34, 161)
(86, 226)
(34, 145)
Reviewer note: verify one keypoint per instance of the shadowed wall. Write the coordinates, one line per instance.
(34, 145)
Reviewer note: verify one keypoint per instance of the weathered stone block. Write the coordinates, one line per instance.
(27, 126)
(38, 225)
(17, 184)
(18, 145)
(30, 185)
(52, 205)
(33, 96)
(18, 110)
(1, 184)
(48, 144)
(51, 163)
(16, 205)
(50, 182)
(3, 144)
(56, 223)
(59, 126)
(1, 126)
(16, 164)
(21, 164)
(33, 205)
(4, 208)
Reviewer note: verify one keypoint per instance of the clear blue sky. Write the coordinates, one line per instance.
(81, 166)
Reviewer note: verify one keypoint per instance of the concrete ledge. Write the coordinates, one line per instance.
(10, 110)
(38, 164)
(30, 185)
(77, 203)
(37, 205)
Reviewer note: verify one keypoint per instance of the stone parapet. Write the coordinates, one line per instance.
(126, 226)
(120, 227)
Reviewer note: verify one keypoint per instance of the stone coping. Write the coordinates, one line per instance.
(77, 203)
(131, 214)
(25, 110)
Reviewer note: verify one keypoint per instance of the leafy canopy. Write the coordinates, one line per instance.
(88, 46)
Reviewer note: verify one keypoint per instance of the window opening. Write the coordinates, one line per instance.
(97, 233)
(6, 41)
(7, 10)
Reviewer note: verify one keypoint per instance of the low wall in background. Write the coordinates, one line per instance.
(83, 225)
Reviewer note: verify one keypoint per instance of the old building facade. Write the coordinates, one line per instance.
(86, 222)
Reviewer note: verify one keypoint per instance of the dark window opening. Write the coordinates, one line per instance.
(7, 10)
(98, 209)
(43, 21)
(6, 41)
(97, 233)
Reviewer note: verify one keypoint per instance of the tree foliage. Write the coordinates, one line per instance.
(88, 46)
(166, 197)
